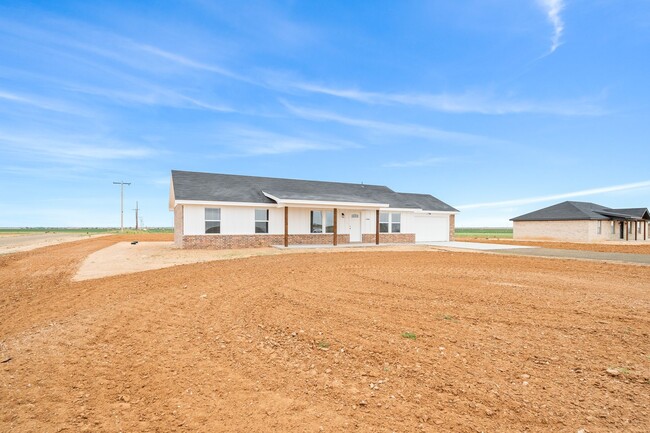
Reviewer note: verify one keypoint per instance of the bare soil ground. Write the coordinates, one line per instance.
(313, 342)
(632, 247)
(125, 258)
(13, 243)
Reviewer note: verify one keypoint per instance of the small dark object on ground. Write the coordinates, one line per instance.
(6, 360)
(134, 243)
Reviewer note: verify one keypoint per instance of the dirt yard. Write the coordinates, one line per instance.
(13, 243)
(637, 247)
(367, 341)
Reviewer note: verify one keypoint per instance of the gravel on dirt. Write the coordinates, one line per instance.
(314, 342)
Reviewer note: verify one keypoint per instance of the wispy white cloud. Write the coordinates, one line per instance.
(151, 95)
(553, 8)
(469, 102)
(586, 192)
(406, 129)
(254, 142)
(190, 63)
(40, 103)
(71, 149)
(424, 162)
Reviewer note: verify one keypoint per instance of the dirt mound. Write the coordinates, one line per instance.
(366, 341)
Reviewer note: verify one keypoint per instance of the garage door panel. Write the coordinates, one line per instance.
(431, 228)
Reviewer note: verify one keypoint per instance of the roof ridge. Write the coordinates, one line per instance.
(280, 178)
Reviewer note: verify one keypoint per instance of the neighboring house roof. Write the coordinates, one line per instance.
(579, 210)
(639, 212)
(189, 185)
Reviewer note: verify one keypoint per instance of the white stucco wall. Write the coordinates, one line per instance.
(240, 220)
(235, 220)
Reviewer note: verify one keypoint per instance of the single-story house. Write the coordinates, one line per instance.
(583, 222)
(230, 211)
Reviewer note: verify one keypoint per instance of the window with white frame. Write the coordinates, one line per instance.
(261, 220)
(390, 222)
(321, 221)
(629, 227)
(640, 228)
(212, 220)
(613, 227)
(600, 227)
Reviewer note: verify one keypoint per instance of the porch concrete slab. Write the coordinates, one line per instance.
(474, 245)
(352, 245)
(643, 259)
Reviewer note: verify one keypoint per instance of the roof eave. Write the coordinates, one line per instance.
(326, 203)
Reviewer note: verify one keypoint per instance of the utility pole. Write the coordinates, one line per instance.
(136, 215)
(121, 184)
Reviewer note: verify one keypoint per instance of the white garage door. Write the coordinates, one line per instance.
(431, 228)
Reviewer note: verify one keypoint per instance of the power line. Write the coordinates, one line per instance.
(121, 184)
(136, 214)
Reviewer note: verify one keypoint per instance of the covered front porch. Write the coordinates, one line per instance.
(633, 229)
(330, 225)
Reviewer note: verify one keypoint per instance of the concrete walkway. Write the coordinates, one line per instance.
(523, 250)
(458, 245)
(474, 245)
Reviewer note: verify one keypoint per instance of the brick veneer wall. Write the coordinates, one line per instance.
(552, 230)
(389, 238)
(178, 226)
(452, 227)
(220, 242)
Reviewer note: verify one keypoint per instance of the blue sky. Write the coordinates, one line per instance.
(497, 107)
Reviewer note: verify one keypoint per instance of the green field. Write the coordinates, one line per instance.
(482, 232)
(86, 230)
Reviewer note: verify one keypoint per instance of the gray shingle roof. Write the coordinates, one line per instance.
(421, 201)
(638, 212)
(190, 185)
(579, 210)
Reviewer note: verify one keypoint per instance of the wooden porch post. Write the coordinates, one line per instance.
(377, 228)
(645, 228)
(336, 229)
(627, 231)
(636, 230)
(286, 226)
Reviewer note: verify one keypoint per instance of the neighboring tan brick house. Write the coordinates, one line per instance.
(230, 211)
(583, 222)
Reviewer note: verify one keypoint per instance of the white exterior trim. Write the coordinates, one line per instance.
(440, 212)
(227, 203)
(337, 204)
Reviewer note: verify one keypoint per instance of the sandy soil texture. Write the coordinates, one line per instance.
(638, 247)
(367, 341)
(126, 258)
(13, 243)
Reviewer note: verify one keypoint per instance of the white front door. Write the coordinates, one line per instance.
(355, 227)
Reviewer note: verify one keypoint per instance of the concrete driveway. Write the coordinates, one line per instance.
(521, 250)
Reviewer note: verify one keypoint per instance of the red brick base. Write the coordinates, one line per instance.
(178, 225)
(452, 227)
(389, 238)
(221, 242)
